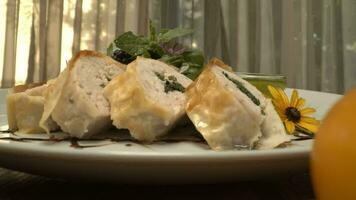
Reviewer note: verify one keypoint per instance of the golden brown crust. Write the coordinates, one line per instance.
(129, 102)
(85, 53)
(24, 112)
(25, 107)
(207, 71)
(203, 83)
(199, 93)
(216, 113)
(207, 100)
(220, 63)
(226, 121)
(24, 87)
(55, 90)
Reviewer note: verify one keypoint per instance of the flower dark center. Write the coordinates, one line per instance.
(293, 114)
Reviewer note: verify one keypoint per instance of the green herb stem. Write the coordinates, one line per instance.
(243, 89)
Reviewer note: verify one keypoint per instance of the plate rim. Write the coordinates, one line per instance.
(149, 156)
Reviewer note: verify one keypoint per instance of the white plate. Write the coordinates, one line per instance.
(181, 162)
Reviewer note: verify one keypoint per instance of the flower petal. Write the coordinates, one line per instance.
(306, 111)
(280, 110)
(294, 98)
(311, 127)
(274, 93)
(279, 105)
(283, 96)
(309, 120)
(300, 103)
(289, 126)
(281, 113)
(283, 117)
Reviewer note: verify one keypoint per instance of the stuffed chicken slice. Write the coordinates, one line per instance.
(147, 99)
(230, 112)
(76, 101)
(25, 107)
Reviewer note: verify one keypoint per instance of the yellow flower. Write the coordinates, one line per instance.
(292, 112)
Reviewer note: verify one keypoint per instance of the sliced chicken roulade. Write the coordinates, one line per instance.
(25, 107)
(148, 98)
(230, 112)
(75, 101)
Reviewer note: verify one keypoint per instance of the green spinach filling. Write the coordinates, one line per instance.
(242, 88)
(170, 84)
(160, 76)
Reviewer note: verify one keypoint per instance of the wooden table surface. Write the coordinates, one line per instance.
(18, 185)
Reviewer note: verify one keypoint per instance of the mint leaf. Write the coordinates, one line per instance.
(175, 60)
(162, 32)
(194, 56)
(153, 36)
(190, 63)
(155, 50)
(160, 46)
(173, 48)
(193, 64)
(171, 34)
(133, 44)
(192, 70)
(110, 49)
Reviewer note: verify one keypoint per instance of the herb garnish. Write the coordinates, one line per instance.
(159, 45)
(242, 88)
(171, 83)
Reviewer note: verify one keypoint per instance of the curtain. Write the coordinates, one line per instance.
(312, 43)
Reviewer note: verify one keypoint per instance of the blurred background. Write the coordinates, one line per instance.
(311, 42)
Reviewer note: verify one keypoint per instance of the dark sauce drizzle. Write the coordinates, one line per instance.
(75, 142)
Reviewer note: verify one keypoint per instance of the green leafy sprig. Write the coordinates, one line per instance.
(162, 46)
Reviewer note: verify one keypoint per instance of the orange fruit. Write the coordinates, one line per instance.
(333, 159)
